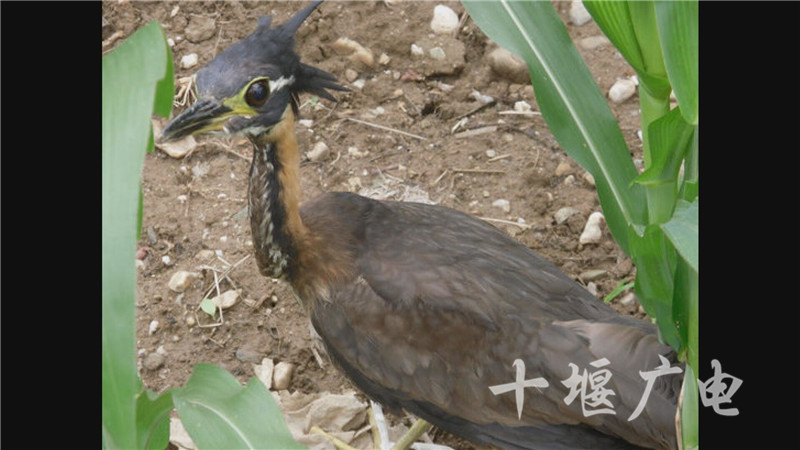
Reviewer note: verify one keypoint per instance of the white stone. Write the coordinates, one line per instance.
(181, 280)
(264, 371)
(282, 375)
(170, 42)
(628, 300)
(578, 14)
(622, 90)
(153, 327)
(355, 152)
(522, 106)
(503, 204)
(179, 436)
(227, 299)
(592, 232)
(589, 178)
(593, 42)
(445, 20)
(565, 213)
(509, 65)
(337, 411)
(189, 61)
(320, 152)
(416, 50)
(306, 122)
(491, 153)
(359, 84)
(437, 53)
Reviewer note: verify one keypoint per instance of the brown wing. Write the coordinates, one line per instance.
(443, 306)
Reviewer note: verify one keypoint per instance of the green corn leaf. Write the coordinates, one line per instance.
(621, 287)
(678, 27)
(573, 106)
(689, 411)
(655, 267)
(685, 306)
(152, 420)
(670, 138)
(682, 230)
(130, 75)
(631, 27)
(219, 413)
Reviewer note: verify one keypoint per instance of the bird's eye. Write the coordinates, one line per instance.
(257, 93)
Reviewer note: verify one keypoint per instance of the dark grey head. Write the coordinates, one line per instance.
(248, 87)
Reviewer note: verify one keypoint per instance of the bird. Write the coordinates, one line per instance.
(425, 308)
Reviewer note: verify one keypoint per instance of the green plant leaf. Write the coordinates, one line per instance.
(571, 103)
(682, 230)
(130, 74)
(685, 309)
(208, 306)
(655, 267)
(669, 139)
(621, 287)
(152, 420)
(689, 411)
(678, 28)
(219, 413)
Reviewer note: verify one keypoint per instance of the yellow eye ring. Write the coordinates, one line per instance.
(257, 93)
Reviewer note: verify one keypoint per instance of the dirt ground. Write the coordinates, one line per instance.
(194, 216)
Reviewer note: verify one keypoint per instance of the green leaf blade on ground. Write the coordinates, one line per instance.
(129, 77)
(219, 413)
(678, 27)
(573, 106)
(689, 427)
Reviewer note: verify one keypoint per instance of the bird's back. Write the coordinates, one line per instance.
(441, 304)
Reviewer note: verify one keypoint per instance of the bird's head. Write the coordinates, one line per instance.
(249, 87)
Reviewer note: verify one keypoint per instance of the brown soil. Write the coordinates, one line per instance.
(197, 203)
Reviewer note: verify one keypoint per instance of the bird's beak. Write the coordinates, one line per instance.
(204, 115)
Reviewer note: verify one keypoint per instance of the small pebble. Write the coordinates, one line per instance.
(592, 233)
(589, 178)
(264, 371)
(591, 275)
(154, 361)
(437, 53)
(166, 260)
(445, 20)
(170, 42)
(578, 14)
(628, 300)
(161, 351)
(350, 75)
(227, 299)
(491, 153)
(248, 355)
(593, 42)
(486, 194)
(306, 122)
(509, 65)
(282, 375)
(522, 106)
(503, 204)
(189, 61)
(384, 59)
(320, 152)
(355, 152)
(357, 52)
(153, 327)
(592, 288)
(190, 321)
(358, 84)
(416, 50)
(622, 90)
(181, 280)
(563, 169)
(569, 180)
(565, 213)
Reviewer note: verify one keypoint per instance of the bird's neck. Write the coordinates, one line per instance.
(274, 198)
